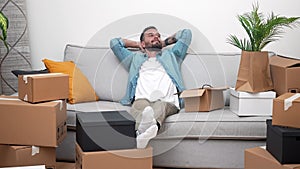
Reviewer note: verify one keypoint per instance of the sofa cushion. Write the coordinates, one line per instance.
(217, 124)
(80, 89)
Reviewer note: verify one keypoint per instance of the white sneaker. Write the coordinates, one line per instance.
(143, 139)
(147, 119)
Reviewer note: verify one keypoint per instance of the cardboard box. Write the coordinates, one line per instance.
(283, 143)
(43, 87)
(286, 110)
(27, 155)
(285, 74)
(260, 158)
(65, 165)
(203, 99)
(106, 130)
(23, 123)
(251, 104)
(115, 159)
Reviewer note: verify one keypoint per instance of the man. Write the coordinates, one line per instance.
(154, 78)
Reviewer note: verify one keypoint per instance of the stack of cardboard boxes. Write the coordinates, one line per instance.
(284, 72)
(33, 124)
(283, 131)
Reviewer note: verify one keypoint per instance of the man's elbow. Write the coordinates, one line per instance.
(189, 32)
(113, 42)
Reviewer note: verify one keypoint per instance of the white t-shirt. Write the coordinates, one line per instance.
(155, 84)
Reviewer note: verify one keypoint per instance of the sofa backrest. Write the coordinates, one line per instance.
(109, 78)
(102, 69)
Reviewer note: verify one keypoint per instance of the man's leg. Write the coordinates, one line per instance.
(162, 110)
(143, 139)
(143, 114)
(145, 122)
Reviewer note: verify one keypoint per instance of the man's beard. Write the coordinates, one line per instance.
(154, 47)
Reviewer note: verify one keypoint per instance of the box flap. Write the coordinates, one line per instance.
(284, 62)
(192, 93)
(218, 88)
(264, 156)
(20, 147)
(199, 91)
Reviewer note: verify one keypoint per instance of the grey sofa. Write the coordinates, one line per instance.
(215, 139)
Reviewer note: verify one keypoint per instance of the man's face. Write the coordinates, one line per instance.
(152, 39)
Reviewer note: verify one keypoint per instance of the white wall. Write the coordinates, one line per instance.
(54, 23)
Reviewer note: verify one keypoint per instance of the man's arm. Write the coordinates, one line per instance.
(131, 44)
(169, 40)
(183, 40)
(120, 50)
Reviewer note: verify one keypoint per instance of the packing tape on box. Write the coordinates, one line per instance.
(25, 97)
(60, 104)
(289, 101)
(25, 77)
(35, 150)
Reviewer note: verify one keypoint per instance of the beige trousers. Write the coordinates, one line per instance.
(161, 110)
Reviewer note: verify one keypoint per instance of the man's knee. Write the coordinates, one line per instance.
(140, 104)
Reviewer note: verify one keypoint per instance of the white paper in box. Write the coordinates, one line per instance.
(251, 104)
(27, 167)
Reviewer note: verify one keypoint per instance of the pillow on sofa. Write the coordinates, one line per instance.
(102, 68)
(80, 89)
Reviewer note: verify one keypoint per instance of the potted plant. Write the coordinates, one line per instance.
(254, 72)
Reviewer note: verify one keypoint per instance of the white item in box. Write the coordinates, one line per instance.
(27, 167)
(251, 104)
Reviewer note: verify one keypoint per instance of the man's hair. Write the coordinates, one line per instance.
(147, 28)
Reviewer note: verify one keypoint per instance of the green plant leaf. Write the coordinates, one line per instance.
(3, 26)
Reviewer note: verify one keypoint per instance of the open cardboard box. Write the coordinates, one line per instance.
(285, 74)
(203, 99)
